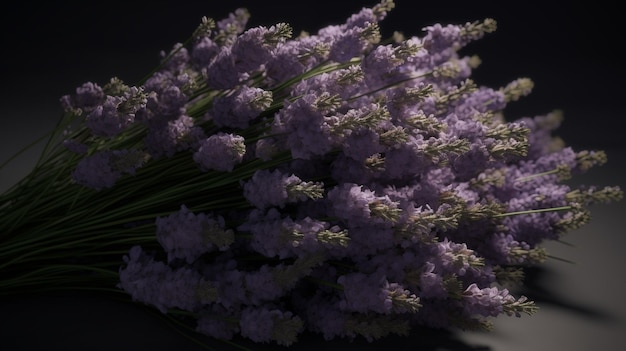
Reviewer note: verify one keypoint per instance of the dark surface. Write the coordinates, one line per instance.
(571, 53)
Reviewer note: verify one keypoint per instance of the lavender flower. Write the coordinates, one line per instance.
(280, 326)
(166, 98)
(240, 107)
(166, 139)
(103, 169)
(87, 97)
(187, 236)
(273, 188)
(220, 152)
(154, 283)
(253, 47)
(116, 113)
(336, 183)
(303, 125)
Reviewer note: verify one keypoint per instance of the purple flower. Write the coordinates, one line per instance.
(356, 205)
(364, 293)
(382, 66)
(431, 283)
(407, 160)
(503, 249)
(303, 125)
(269, 188)
(362, 18)
(480, 101)
(273, 188)
(454, 257)
(222, 73)
(347, 44)
(441, 38)
(87, 97)
(104, 168)
(310, 236)
(251, 49)
(324, 316)
(234, 24)
(346, 169)
(270, 233)
(240, 107)
(262, 286)
(231, 289)
(165, 100)
(180, 134)
(203, 52)
(270, 324)
(282, 65)
(540, 140)
(107, 120)
(486, 302)
(344, 83)
(220, 152)
(186, 235)
(154, 283)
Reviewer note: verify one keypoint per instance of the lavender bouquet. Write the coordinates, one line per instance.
(260, 185)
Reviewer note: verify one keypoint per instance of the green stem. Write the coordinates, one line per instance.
(551, 209)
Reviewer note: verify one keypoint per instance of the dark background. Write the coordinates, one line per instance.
(571, 52)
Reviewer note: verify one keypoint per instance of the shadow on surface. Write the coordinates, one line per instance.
(421, 339)
(537, 287)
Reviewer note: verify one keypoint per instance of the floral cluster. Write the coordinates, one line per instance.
(336, 182)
